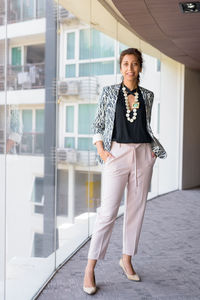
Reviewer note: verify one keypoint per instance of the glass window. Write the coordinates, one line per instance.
(70, 70)
(122, 47)
(27, 120)
(86, 115)
(40, 8)
(96, 68)
(158, 65)
(101, 44)
(37, 192)
(39, 120)
(118, 67)
(14, 10)
(16, 56)
(71, 45)
(35, 54)
(69, 119)
(84, 48)
(28, 9)
(69, 142)
(85, 144)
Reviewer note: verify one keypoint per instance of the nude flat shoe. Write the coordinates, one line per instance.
(90, 290)
(134, 277)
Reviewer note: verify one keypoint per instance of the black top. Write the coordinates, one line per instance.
(125, 131)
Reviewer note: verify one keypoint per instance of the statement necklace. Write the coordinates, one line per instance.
(135, 105)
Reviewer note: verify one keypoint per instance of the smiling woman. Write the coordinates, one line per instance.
(130, 66)
(127, 149)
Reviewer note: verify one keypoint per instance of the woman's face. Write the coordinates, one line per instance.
(130, 67)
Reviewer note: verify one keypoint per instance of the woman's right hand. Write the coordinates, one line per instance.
(102, 153)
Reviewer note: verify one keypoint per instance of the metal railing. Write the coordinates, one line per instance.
(30, 76)
(32, 143)
(73, 156)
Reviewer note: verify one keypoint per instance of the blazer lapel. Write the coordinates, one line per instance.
(147, 103)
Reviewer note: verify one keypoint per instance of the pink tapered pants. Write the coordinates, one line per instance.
(132, 165)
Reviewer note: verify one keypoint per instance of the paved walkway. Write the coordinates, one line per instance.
(168, 258)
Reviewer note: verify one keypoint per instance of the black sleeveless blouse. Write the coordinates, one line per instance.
(130, 132)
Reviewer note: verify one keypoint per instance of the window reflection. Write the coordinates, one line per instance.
(23, 10)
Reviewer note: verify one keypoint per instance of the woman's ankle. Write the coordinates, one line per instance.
(126, 258)
(89, 269)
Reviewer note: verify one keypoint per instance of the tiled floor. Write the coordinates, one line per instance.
(168, 258)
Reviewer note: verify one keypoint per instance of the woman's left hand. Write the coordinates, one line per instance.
(153, 154)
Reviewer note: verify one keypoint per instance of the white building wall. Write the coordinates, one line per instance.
(171, 119)
(23, 29)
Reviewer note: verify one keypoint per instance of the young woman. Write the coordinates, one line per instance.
(128, 150)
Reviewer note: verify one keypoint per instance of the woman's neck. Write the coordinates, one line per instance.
(131, 85)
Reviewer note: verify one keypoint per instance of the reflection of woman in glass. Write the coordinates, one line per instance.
(127, 149)
(14, 129)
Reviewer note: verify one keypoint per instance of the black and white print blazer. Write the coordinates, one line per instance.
(103, 124)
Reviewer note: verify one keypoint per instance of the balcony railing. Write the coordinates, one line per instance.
(73, 156)
(30, 76)
(32, 143)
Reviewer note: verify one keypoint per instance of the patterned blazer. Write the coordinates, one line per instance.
(103, 124)
(14, 125)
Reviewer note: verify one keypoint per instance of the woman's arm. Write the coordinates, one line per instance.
(157, 149)
(98, 125)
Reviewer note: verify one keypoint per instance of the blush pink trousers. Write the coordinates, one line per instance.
(132, 164)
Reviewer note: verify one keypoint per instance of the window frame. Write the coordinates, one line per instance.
(77, 61)
(76, 135)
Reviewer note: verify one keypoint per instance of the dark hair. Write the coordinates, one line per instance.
(135, 52)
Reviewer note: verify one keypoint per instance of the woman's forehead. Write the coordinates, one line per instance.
(130, 57)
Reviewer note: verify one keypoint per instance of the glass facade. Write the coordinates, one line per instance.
(24, 10)
(50, 84)
(96, 54)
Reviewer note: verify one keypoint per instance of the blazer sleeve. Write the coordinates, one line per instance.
(156, 146)
(98, 125)
(15, 127)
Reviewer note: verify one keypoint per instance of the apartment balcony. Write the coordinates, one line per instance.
(20, 11)
(30, 76)
(31, 144)
(73, 156)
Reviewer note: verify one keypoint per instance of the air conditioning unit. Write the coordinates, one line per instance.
(87, 158)
(89, 88)
(65, 15)
(68, 88)
(66, 155)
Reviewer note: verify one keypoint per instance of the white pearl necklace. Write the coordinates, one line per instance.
(136, 105)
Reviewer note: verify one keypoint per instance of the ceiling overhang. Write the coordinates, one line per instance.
(163, 25)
